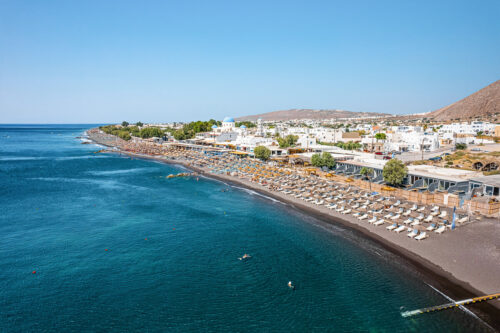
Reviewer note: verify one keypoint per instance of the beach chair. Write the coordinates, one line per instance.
(340, 209)
(392, 227)
(373, 220)
(395, 217)
(440, 230)
(443, 214)
(397, 203)
(412, 233)
(357, 214)
(462, 220)
(421, 209)
(435, 208)
(347, 211)
(401, 210)
(362, 217)
(414, 207)
(388, 216)
(407, 213)
(379, 222)
(408, 220)
(420, 217)
(428, 218)
(332, 206)
(431, 227)
(400, 228)
(423, 235)
(415, 222)
(435, 213)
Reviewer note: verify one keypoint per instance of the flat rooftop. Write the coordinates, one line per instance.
(493, 180)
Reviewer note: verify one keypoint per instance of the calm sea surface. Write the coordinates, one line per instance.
(118, 247)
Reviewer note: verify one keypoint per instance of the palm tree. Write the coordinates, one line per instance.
(367, 172)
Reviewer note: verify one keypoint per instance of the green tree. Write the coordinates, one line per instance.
(380, 136)
(328, 160)
(368, 173)
(262, 153)
(139, 124)
(316, 160)
(460, 146)
(248, 124)
(124, 123)
(394, 172)
(150, 132)
(287, 141)
(323, 160)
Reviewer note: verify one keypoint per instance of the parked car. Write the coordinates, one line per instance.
(387, 157)
(379, 153)
(476, 149)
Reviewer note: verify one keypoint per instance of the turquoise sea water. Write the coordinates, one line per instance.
(118, 247)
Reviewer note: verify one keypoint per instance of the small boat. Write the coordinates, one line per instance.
(290, 285)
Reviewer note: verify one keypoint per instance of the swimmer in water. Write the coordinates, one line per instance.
(245, 256)
(290, 285)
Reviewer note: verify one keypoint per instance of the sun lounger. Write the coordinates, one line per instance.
(388, 216)
(429, 218)
(462, 220)
(340, 209)
(421, 209)
(332, 206)
(357, 214)
(415, 222)
(392, 227)
(414, 207)
(422, 235)
(347, 211)
(443, 214)
(400, 228)
(408, 220)
(373, 220)
(364, 216)
(412, 233)
(397, 203)
(435, 213)
(431, 227)
(440, 230)
(407, 213)
(420, 217)
(379, 222)
(395, 217)
(435, 208)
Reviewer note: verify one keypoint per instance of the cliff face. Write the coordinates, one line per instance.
(484, 103)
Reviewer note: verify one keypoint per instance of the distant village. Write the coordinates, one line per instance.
(457, 157)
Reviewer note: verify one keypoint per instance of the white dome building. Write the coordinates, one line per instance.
(228, 124)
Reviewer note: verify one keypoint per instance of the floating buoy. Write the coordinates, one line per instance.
(105, 249)
(34, 272)
(173, 228)
(145, 239)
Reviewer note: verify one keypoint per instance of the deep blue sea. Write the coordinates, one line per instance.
(118, 247)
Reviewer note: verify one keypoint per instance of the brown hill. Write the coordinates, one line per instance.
(484, 103)
(298, 114)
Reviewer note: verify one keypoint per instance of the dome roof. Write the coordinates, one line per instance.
(214, 126)
(243, 126)
(228, 120)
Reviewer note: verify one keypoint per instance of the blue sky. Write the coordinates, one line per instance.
(108, 61)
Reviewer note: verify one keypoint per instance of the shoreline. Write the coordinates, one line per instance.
(431, 272)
